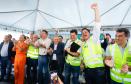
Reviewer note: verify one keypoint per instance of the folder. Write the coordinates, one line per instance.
(74, 47)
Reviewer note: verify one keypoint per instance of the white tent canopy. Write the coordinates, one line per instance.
(33, 15)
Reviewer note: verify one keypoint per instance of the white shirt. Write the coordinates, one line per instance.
(46, 42)
(4, 50)
(54, 55)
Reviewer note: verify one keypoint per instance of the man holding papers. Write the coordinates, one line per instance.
(73, 59)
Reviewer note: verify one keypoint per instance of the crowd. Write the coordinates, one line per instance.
(50, 61)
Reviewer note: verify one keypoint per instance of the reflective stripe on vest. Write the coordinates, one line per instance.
(33, 52)
(119, 61)
(74, 61)
(92, 55)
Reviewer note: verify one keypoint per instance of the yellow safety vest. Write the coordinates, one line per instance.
(32, 52)
(92, 55)
(74, 61)
(119, 61)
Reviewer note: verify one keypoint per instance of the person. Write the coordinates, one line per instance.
(20, 59)
(28, 64)
(104, 43)
(56, 51)
(118, 58)
(108, 38)
(73, 59)
(92, 52)
(6, 54)
(43, 72)
(32, 53)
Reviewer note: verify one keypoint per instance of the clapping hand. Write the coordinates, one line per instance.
(124, 68)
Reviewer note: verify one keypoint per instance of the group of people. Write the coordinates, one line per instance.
(43, 55)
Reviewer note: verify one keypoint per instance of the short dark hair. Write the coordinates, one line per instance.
(60, 36)
(73, 31)
(85, 29)
(126, 31)
(107, 34)
(45, 31)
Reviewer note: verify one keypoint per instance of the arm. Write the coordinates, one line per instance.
(22, 47)
(75, 54)
(108, 58)
(96, 29)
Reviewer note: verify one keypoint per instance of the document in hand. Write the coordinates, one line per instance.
(74, 47)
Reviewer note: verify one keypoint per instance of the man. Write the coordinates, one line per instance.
(73, 59)
(28, 66)
(33, 53)
(57, 57)
(5, 54)
(92, 52)
(118, 58)
(43, 43)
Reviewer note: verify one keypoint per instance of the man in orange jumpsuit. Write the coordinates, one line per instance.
(20, 59)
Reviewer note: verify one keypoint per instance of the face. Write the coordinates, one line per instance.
(43, 35)
(31, 36)
(60, 39)
(10, 37)
(120, 38)
(6, 38)
(85, 35)
(21, 38)
(56, 40)
(108, 37)
(35, 37)
(73, 36)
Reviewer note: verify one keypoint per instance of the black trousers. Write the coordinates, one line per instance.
(32, 71)
(95, 75)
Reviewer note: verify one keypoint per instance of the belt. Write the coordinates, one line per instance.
(42, 55)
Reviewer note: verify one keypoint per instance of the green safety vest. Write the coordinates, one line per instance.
(74, 61)
(92, 55)
(119, 61)
(32, 52)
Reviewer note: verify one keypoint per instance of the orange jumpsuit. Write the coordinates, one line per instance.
(20, 61)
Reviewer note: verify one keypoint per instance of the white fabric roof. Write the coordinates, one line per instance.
(37, 14)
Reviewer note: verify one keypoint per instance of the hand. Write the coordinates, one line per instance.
(94, 6)
(67, 49)
(15, 42)
(109, 63)
(124, 68)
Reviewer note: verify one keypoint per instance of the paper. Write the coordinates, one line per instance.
(54, 57)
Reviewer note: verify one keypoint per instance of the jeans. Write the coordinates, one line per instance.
(43, 71)
(6, 67)
(75, 70)
(95, 75)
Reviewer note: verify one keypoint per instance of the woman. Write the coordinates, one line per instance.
(20, 59)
